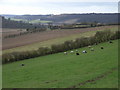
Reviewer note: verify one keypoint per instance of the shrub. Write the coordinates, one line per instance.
(43, 51)
(102, 36)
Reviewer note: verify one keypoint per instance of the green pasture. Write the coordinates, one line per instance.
(64, 71)
(39, 21)
(31, 21)
(18, 19)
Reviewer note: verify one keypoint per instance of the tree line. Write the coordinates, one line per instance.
(100, 36)
(28, 31)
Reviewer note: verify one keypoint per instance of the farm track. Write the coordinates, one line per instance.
(44, 36)
(94, 79)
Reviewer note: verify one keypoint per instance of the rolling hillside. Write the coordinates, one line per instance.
(95, 69)
(108, 18)
(17, 23)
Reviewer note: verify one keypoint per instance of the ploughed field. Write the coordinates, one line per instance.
(42, 36)
(94, 69)
(8, 31)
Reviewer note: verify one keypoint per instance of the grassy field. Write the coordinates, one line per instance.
(31, 21)
(39, 21)
(95, 69)
(19, 20)
(59, 40)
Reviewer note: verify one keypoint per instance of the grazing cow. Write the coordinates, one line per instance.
(76, 50)
(89, 46)
(92, 49)
(77, 53)
(110, 42)
(84, 51)
(71, 51)
(65, 53)
(22, 64)
(102, 47)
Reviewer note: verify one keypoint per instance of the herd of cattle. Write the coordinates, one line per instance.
(77, 52)
(84, 51)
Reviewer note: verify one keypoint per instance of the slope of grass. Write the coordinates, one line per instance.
(59, 70)
(111, 80)
(48, 43)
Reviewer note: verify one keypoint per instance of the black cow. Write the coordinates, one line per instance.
(77, 53)
(102, 48)
(22, 64)
(110, 42)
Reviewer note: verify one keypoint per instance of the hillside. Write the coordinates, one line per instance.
(9, 23)
(95, 69)
(108, 18)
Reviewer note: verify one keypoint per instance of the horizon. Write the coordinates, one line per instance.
(60, 14)
(44, 7)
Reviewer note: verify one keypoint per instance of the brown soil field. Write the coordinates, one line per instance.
(43, 36)
(7, 31)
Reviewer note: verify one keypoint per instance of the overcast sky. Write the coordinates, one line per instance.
(57, 6)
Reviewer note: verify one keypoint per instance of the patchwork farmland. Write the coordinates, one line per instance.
(36, 38)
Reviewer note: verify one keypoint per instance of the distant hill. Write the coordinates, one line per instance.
(8, 23)
(8, 15)
(108, 18)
